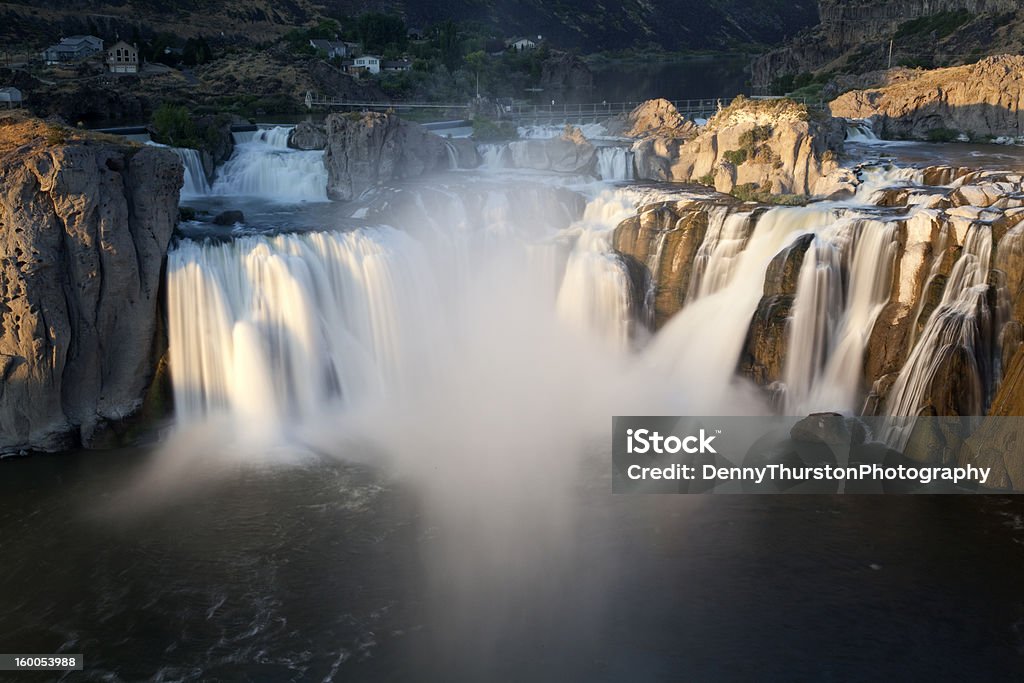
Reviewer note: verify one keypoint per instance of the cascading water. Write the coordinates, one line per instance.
(268, 327)
(614, 163)
(960, 324)
(843, 285)
(724, 241)
(196, 184)
(264, 166)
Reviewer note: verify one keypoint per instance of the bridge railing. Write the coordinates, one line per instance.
(692, 108)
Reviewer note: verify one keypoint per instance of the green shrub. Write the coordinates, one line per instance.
(707, 179)
(173, 125)
(751, 192)
(735, 156)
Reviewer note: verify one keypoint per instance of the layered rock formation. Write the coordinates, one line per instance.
(775, 146)
(854, 36)
(980, 100)
(365, 151)
(945, 214)
(86, 223)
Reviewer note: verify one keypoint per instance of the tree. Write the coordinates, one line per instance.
(448, 42)
(477, 61)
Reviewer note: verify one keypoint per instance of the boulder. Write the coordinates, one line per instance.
(653, 117)
(366, 150)
(86, 221)
(308, 136)
(230, 217)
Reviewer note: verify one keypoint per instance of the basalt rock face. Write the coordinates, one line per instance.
(565, 71)
(568, 153)
(660, 245)
(774, 146)
(764, 352)
(854, 36)
(375, 148)
(982, 99)
(85, 228)
(308, 136)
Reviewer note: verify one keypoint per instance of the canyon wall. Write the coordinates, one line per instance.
(980, 100)
(849, 30)
(85, 223)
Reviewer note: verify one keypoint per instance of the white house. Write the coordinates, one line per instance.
(123, 58)
(10, 96)
(367, 63)
(520, 44)
(72, 49)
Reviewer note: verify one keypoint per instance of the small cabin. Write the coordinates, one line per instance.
(123, 58)
(522, 43)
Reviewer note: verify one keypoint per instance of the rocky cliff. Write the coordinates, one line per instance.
(772, 146)
(85, 227)
(980, 100)
(365, 151)
(853, 37)
(565, 71)
(663, 244)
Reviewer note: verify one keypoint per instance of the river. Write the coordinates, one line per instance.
(390, 461)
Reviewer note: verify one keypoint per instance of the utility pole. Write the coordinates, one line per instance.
(890, 52)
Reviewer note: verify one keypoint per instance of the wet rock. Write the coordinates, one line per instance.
(365, 151)
(764, 351)
(308, 136)
(230, 217)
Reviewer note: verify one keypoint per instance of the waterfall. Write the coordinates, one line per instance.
(195, 184)
(264, 166)
(859, 130)
(614, 163)
(267, 327)
(724, 241)
(844, 283)
(700, 345)
(495, 155)
(960, 323)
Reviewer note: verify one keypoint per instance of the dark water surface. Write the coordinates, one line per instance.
(325, 571)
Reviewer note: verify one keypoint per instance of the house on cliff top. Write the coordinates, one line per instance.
(123, 58)
(73, 49)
